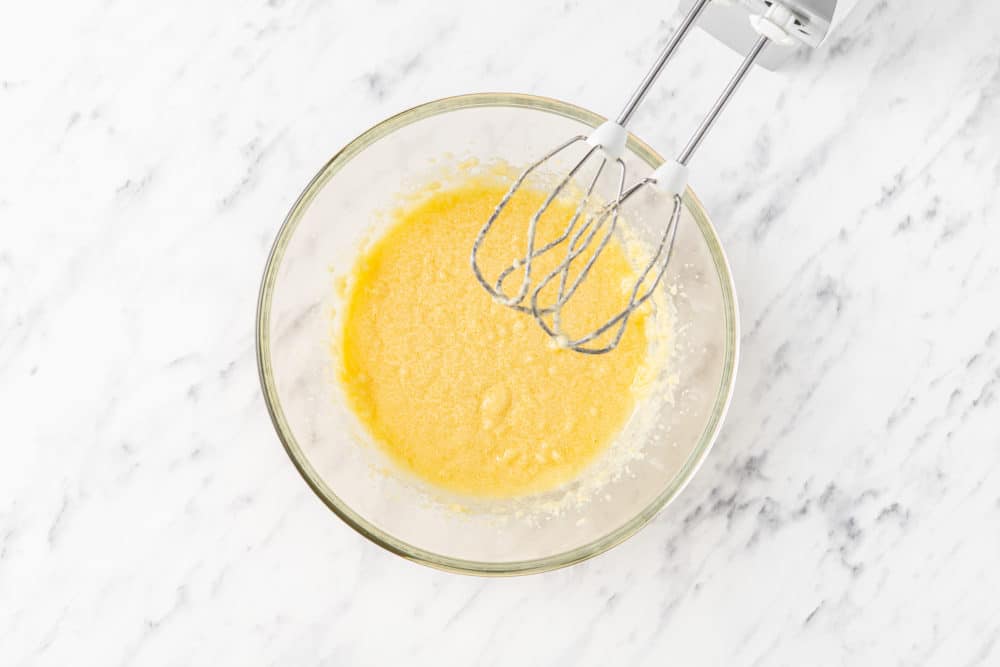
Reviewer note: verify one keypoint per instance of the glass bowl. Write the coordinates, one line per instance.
(296, 318)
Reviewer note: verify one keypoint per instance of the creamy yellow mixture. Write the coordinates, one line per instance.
(466, 393)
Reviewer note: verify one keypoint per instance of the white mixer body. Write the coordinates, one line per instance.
(727, 21)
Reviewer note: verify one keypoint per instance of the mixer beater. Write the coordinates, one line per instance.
(592, 226)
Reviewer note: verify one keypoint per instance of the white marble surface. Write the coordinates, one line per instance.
(849, 514)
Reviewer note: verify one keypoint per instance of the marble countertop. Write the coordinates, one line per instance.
(848, 515)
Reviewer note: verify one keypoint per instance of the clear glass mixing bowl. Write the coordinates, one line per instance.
(321, 236)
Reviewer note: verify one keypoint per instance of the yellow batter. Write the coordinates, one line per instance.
(465, 393)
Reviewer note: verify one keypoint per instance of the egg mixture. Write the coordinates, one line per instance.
(463, 392)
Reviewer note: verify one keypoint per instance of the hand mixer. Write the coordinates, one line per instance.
(784, 22)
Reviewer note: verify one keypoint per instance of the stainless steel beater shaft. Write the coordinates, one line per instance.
(661, 61)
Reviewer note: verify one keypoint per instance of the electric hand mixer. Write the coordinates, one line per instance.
(785, 22)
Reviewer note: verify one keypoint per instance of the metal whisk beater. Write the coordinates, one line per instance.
(583, 242)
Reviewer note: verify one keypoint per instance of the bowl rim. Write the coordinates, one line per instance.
(383, 538)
